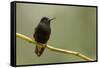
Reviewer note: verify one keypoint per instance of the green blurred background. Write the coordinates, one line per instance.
(74, 28)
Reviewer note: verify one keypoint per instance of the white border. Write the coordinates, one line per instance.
(5, 34)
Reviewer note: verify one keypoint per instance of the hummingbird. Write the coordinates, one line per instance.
(42, 35)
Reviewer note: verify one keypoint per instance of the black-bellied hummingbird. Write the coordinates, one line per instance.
(42, 35)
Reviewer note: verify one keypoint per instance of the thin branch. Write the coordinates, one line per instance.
(18, 35)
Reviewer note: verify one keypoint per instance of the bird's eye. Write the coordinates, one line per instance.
(45, 20)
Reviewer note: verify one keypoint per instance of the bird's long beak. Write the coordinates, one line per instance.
(52, 18)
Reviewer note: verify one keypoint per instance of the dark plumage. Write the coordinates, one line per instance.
(42, 34)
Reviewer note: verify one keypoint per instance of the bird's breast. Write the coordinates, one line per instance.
(42, 33)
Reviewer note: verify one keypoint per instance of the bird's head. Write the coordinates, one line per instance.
(46, 20)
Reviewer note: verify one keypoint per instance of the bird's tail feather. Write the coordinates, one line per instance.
(39, 49)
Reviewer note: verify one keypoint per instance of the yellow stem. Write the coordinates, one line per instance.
(18, 35)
